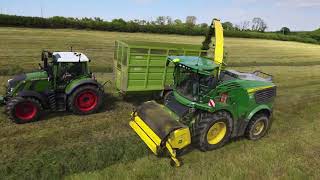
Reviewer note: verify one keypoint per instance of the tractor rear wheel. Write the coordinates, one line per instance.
(212, 131)
(258, 127)
(23, 110)
(85, 100)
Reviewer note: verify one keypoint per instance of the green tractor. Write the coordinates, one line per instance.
(64, 83)
(208, 106)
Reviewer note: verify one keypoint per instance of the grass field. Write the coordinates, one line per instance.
(102, 146)
(25, 45)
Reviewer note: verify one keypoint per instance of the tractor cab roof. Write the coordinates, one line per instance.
(197, 64)
(69, 57)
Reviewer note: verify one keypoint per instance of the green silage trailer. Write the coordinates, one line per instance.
(141, 66)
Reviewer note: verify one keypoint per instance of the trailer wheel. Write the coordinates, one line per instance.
(258, 127)
(23, 110)
(85, 100)
(212, 131)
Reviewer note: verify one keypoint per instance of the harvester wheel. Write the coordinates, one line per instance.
(212, 131)
(23, 110)
(258, 126)
(85, 100)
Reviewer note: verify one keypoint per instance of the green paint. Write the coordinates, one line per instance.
(142, 66)
(74, 83)
(192, 89)
(40, 82)
(37, 75)
(197, 64)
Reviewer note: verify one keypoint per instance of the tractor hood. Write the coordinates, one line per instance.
(16, 79)
(26, 76)
(37, 75)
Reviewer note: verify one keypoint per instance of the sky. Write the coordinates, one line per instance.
(298, 15)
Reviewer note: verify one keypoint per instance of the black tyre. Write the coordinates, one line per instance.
(85, 100)
(166, 96)
(212, 131)
(258, 126)
(23, 110)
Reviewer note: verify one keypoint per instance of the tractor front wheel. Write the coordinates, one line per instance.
(258, 127)
(85, 100)
(23, 110)
(212, 131)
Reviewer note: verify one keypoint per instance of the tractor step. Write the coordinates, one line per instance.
(57, 101)
(61, 104)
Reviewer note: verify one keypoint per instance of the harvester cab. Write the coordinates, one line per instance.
(208, 106)
(63, 82)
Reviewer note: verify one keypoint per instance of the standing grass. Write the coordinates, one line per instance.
(102, 145)
(24, 45)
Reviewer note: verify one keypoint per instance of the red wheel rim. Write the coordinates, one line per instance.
(86, 101)
(26, 111)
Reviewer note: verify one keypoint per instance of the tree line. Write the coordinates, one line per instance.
(163, 24)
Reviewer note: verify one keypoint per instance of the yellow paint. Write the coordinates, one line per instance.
(173, 154)
(180, 138)
(251, 90)
(155, 138)
(176, 60)
(144, 137)
(219, 43)
(258, 128)
(216, 133)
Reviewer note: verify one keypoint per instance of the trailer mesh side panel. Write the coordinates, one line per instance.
(265, 96)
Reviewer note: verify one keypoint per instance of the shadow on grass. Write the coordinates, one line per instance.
(108, 104)
(193, 147)
(141, 97)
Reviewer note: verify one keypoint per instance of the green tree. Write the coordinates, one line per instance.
(204, 25)
(169, 20)
(191, 20)
(258, 24)
(227, 26)
(177, 21)
(285, 30)
(161, 20)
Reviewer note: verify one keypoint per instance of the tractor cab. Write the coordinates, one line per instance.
(64, 67)
(194, 76)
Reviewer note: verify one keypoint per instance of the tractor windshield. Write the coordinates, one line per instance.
(190, 84)
(187, 83)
